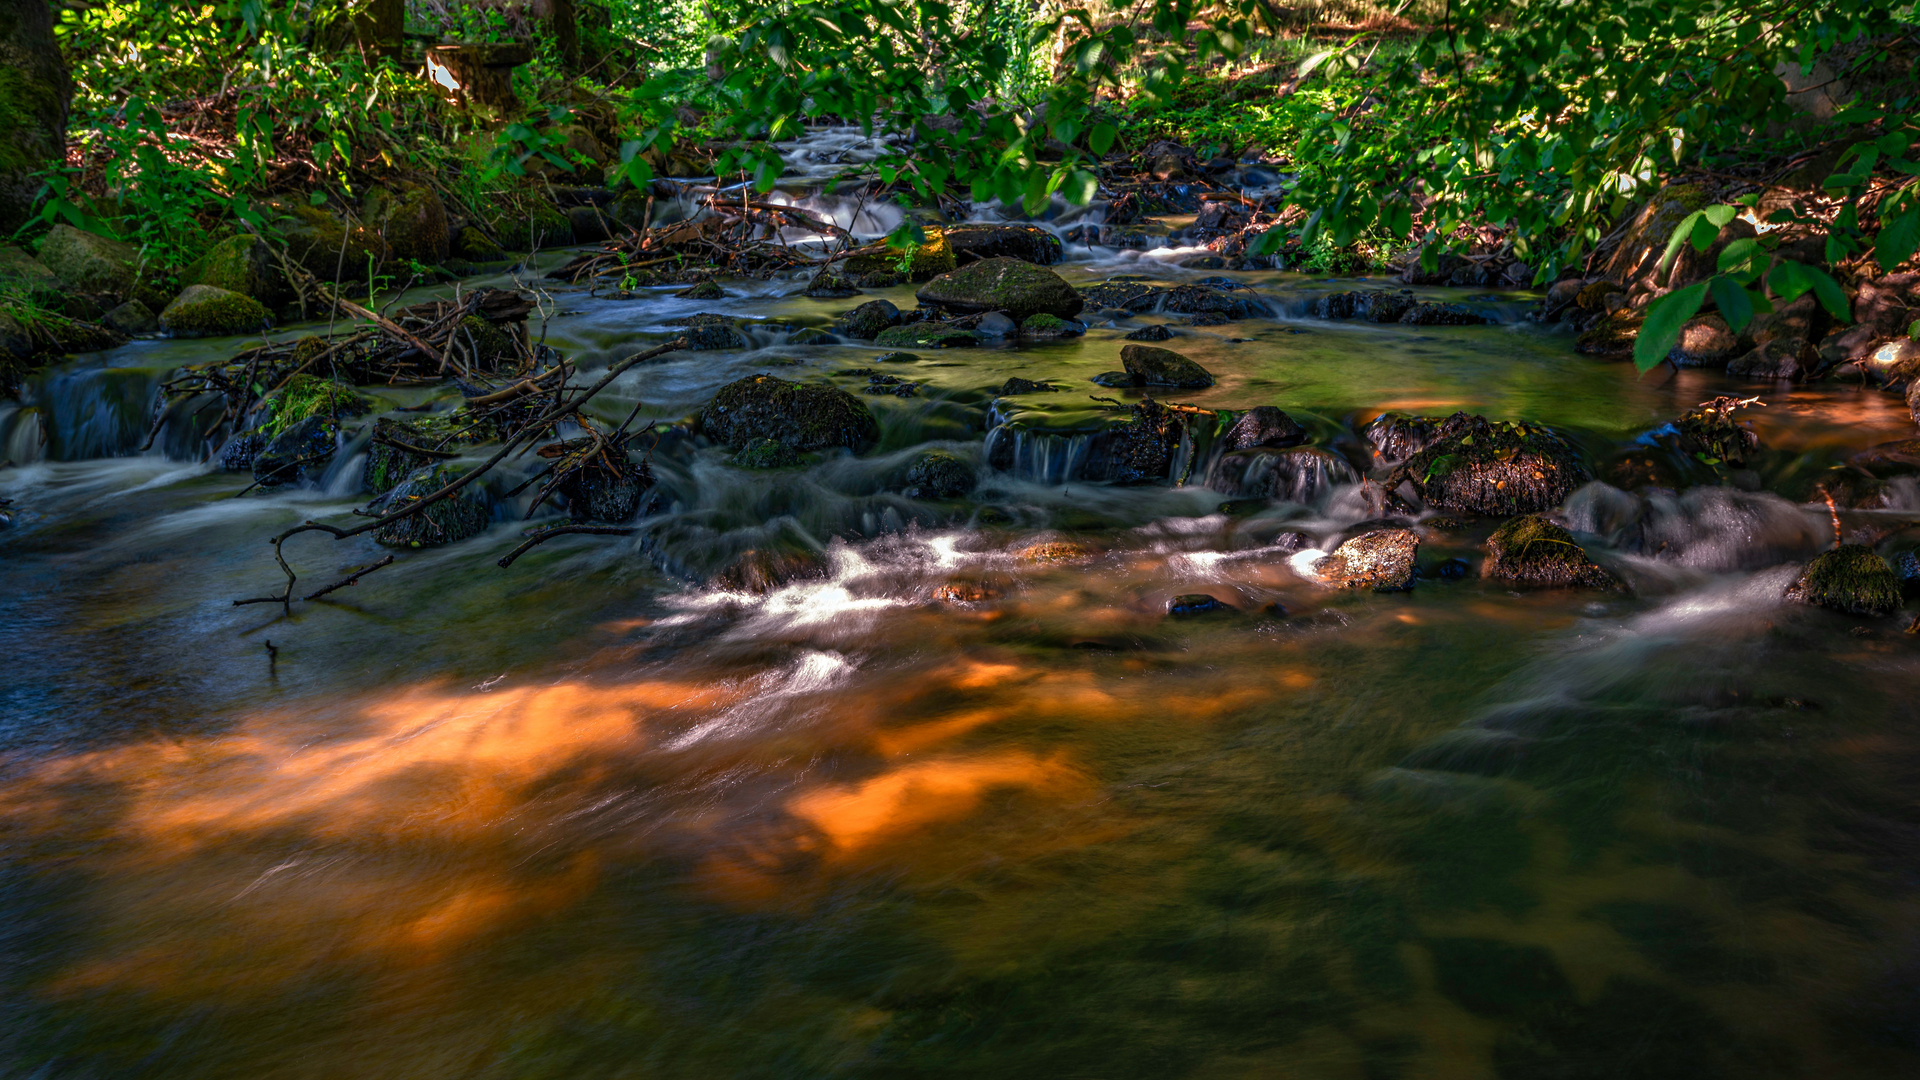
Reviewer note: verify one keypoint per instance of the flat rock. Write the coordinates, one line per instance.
(1382, 561)
(1018, 288)
(1153, 366)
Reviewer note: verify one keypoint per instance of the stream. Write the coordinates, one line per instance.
(588, 816)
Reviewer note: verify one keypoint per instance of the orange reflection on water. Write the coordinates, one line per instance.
(855, 816)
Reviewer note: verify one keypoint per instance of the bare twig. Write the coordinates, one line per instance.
(350, 579)
(544, 535)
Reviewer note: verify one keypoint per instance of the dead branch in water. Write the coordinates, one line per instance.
(545, 535)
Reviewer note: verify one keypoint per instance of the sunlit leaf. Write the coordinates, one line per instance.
(1665, 317)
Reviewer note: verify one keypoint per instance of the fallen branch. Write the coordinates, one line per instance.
(545, 535)
(350, 579)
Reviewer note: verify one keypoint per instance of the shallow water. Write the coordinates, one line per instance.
(584, 817)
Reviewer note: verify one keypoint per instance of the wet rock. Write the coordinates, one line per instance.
(924, 262)
(238, 453)
(414, 223)
(1192, 604)
(868, 320)
(896, 358)
(995, 326)
(1018, 288)
(1206, 300)
(1534, 552)
(298, 453)
(762, 570)
(1156, 332)
(1028, 243)
(241, 264)
(1779, 358)
(1706, 341)
(1474, 466)
(606, 493)
(764, 454)
(1056, 551)
(808, 335)
(1365, 305)
(91, 264)
(830, 286)
(926, 335)
(1852, 579)
(1018, 385)
(705, 290)
(1117, 380)
(939, 474)
(800, 416)
(1142, 450)
(205, 311)
(1124, 295)
(1299, 475)
(1444, 315)
(1712, 434)
(1263, 425)
(455, 518)
(709, 336)
(1382, 561)
(484, 346)
(1045, 327)
(1395, 438)
(964, 591)
(1448, 570)
(132, 319)
(1611, 338)
(1208, 318)
(1153, 366)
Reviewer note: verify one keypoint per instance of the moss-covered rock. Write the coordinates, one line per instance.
(762, 570)
(1470, 465)
(1710, 432)
(90, 263)
(830, 286)
(939, 474)
(537, 226)
(240, 264)
(1850, 578)
(472, 245)
(1534, 552)
(925, 335)
(764, 454)
(710, 336)
(484, 346)
(26, 278)
(1150, 365)
(1433, 314)
(924, 262)
(1046, 327)
(868, 320)
(605, 491)
(413, 220)
(1382, 561)
(463, 514)
(799, 416)
(1020, 289)
(400, 448)
(705, 290)
(323, 244)
(1132, 296)
(298, 453)
(206, 311)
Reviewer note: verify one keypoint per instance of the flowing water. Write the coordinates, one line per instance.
(586, 817)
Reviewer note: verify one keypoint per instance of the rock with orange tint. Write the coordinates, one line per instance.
(1382, 561)
(964, 591)
(1056, 551)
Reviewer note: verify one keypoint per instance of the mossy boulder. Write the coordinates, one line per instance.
(298, 453)
(705, 290)
(1150, 365)
(868, 320)
(939, 474)
(827, 285)
(925, 335)
(764, 454)
(922, 263)
(1851, 578)
(1470, 465)
(538, 226)
(1047, 327)
(27, 278)
(240, 264)
(400, 448)
(323, 244)
(1534, 552)
(463, 514)
(1382, 561)
(413, 220)
(207, 311)
(472, 245)
(484, 346)
(132, 318)
(90, 263)
(799, 416)
(1018, 288)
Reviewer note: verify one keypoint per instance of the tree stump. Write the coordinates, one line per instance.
(477, 74)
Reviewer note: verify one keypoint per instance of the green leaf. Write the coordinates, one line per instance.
(1737, 253)
(1665, 317)
(1100, 139)
(1680, 234)
(1898, 238)
(1832, 296)
(1080, 186)
(1735, 305)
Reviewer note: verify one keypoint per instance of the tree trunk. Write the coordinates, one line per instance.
(377, 26)
(564, 23)
(35, 93)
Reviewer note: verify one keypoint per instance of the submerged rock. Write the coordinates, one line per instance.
(764, 454)
(926, 335)
(800, 416)
(1850, 578)
(1156, 332)
(705, 290)
(762, 570)
(1475, 466)
(207, 311)
(1193, 604)
(452, 519)
(1263, 425)
(1152, 366)
(1018, 385)
(1142, 450)
(1535, 552)
(1018, 288)
(939, 474)
(868, 320)
(1383, 561)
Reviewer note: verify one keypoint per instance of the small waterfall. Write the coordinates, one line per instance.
(1040, 457)
(1705, 528)
(1300, 474)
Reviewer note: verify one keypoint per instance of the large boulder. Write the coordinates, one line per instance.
(1365, 305)
(1263, 425)
(868, 320)
(800, 416)
(1207, 300)
(926, 335)
(1468, 464)
(1382, 561)
(1534, 552)
(414, 222)
(240, 264)
(90, 263)
(1150, 365)
(1028, 243)
(1018, 288)
(1705, 341)
(206, 311)
(25, 277)
(1850, 578)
